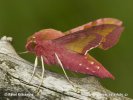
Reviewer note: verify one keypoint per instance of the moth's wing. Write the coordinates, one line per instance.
(96, 23)
(80, 41)
(104, 36)
(99, 68)
(110, 35)
(109, 39)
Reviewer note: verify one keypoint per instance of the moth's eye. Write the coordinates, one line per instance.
(31, 46)
(31, 43)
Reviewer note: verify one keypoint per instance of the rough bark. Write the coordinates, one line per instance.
(15, 74)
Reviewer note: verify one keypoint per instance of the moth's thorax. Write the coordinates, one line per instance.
(43, 47)
(48, 34)
(47, 49)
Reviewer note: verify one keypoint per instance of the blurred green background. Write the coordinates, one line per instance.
(21, 18)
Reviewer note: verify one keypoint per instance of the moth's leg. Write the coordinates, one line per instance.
(42, 76)
(86, 52)
(59, 61)
(35, 65)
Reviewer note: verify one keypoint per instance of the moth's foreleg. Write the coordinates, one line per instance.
(43, 68)
(42, 76)
(35, 65)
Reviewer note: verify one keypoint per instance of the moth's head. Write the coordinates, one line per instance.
(41, 36)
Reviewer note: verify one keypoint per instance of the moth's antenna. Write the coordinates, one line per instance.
(43, 69)
(23, 52)
(35, 65)
(59, 61)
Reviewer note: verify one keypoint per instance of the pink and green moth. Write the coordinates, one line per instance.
(70, 49)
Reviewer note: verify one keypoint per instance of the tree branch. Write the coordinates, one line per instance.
(15, 74)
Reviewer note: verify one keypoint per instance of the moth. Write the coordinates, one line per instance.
(70, 49)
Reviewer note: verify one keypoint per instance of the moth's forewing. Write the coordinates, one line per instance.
(110, 39)
(87, 39)
(80, 41)
(110, 35)
(97, 22)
